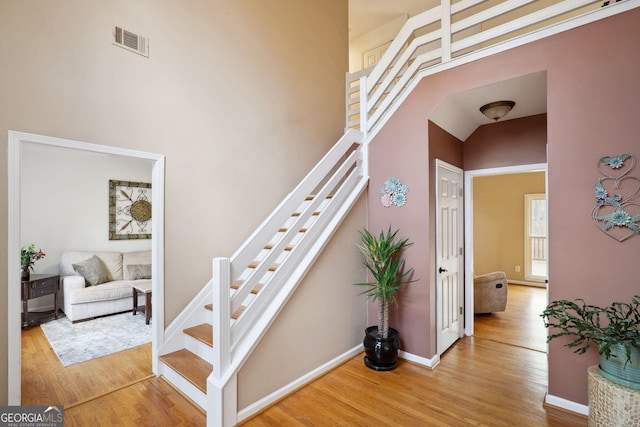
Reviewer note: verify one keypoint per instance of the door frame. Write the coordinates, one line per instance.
(461, 263)
(468, 228)
(14, 326)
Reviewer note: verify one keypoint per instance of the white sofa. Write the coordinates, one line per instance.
(99, 283)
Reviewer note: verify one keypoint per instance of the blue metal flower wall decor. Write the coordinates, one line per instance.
(393, 193)
(616, 212)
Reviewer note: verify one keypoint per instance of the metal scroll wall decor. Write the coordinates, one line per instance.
(129, 210)
(617, 213)
(394, 193)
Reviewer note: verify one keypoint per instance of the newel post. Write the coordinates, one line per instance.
(222, 404)
(221, 279)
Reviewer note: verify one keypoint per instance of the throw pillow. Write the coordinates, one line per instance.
(139, 271)
(93, 270)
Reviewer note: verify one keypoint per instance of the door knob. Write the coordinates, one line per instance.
(441, 270)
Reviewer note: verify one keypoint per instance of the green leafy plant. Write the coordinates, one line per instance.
(29, 255)
(382, 259)
(604, 327)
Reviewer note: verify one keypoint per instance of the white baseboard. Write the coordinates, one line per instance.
(429, 363)
(301, 381)
(527, 283)
(307, 378)
(568, 405)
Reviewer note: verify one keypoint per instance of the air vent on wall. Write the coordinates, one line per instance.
(131, 41)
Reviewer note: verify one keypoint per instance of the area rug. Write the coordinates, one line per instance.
(82, 341)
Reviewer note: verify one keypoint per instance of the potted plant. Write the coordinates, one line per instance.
(612, 329)
(382, 259)
(28, 257)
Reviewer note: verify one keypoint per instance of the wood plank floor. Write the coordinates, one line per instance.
(498, 377)
(480, 381)
(115, 390)
(520, 324)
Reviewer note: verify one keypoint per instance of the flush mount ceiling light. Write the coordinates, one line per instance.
(497, 110)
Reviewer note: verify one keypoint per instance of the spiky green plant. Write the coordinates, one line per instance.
(604, 327)
(382, 259)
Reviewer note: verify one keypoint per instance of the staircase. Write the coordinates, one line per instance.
(249, 289)
(207, 344)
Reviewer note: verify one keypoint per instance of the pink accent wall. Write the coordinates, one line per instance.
(507, 143)
(592, 110)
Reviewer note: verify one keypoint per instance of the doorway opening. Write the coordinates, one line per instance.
(499, 253)
(16, 141)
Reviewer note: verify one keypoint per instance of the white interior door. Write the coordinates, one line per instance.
(372, 56)
(449, 255)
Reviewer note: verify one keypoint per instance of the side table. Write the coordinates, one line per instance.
(39, 285)
(143, 288)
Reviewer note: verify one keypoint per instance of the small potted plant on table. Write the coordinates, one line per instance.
(382, 259)
(28, 257)
(612, 329)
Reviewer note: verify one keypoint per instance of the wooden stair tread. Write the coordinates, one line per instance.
(203, 333)
(269, 247)
(193, 368)
(236, 284)
(208, 307)
(296, 214)
(256, 263)
(238, 312)
(329, 196)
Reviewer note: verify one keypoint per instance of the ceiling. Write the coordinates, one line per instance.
(459, 114)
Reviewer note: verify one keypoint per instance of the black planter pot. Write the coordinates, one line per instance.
(381, 354)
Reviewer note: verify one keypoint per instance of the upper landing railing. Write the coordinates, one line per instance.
(455, 32)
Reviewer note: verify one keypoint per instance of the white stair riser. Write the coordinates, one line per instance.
(198, 348)
(179, 382)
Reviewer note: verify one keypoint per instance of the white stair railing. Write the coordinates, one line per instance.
(319, 202)
(452, 31)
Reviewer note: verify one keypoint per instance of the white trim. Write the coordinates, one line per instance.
(300, 382)
(527, 283)
(429, 363)
(14, 327)
(528, 201)
(468, 229)
(568, 405)
(321, 370)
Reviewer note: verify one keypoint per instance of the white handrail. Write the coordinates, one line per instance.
(417, 47)
(335, 183)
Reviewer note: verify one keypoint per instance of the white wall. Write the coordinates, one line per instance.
(65, 200)
(242, 97)
(377, 37)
